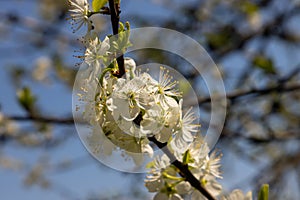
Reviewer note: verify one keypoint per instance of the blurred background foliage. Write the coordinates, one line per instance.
(255, 43)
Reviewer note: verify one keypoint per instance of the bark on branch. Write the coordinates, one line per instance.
(115, 18)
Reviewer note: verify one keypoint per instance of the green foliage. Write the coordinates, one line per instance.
(221, 38)
(217, 40)
(121, 43)
(249, 7)
(264, 192)
(187, 158)
(26, 99)
(98, 4)
(150, 165)
(265, 64)
(184, 86)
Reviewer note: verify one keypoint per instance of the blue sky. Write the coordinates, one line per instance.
(89, 176)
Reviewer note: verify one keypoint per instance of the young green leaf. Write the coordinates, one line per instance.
(26, 98)
(249, 8)
(265, 64)
(98, 4)
(264, 192)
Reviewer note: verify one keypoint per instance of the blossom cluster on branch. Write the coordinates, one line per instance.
(135, 112)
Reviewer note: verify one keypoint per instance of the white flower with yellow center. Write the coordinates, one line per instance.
(80, 13)
(155, 180)
(204, 164)
(164, 89)
(130, 66)
(166, 84)
(184, 132)
(95, 51)
(123, 101)
(165, 196)
(153, 120)
(164, 180)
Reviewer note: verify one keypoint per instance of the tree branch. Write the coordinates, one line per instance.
(231, 96)
(43, 119)
(115, 18)
(184, 170)
(284, 137)
(255, 92)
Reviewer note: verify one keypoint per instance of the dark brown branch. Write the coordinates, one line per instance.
(184, 170)
(255, 92)
(231, 96)
(114, 11)
(115, 18)
(50, 120)
(283, 137)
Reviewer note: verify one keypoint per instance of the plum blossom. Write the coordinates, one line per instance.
(80, 13)
(130, 67)
(164, 196)
(131, 109)
(95, 51)
(185, 130)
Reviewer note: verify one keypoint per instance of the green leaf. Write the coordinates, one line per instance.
(264, 192)
(121, 42)
(264, 63)
(218, 40)
(186, 157)
(184, 86)
(223, 38)
(98, 4)
(121, 27)
(150, 165)
(249, 8)
(26, 99)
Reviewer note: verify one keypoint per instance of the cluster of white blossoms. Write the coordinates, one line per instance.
(136, 109)
(165, 179)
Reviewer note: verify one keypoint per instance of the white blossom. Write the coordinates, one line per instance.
(166, 86)
(88, 88)
(185, 130)
(164, 89)
(130, 67)
(80, 13)
(155, 181)
(42, 67)
(152, 120)
(212, 165)
(124, 99)
(183, 187)
(204, 164)
(164, 196)
(95, 51)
